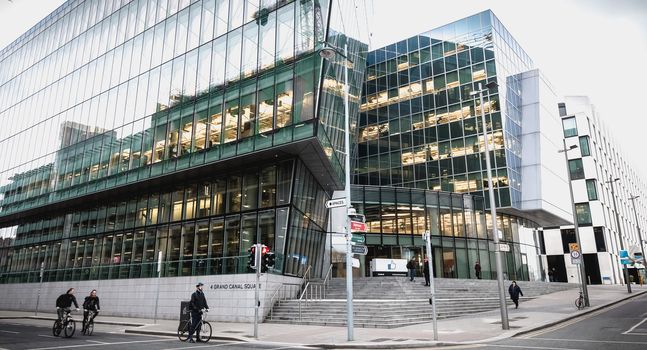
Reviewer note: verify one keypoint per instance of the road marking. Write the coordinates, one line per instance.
(635, 326)
(530, 347)
(96, 342)
(208, 346)
(46, 336)
(86, 345)
(12, 332)
(592, 341)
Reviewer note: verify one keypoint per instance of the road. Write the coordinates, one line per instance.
(32, 334)
(622, 326)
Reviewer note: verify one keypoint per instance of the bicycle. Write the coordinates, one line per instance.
(203, 329)
(67, 326)
(89, 325)
(579, 302)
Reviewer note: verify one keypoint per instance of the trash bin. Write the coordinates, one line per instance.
(185, 314)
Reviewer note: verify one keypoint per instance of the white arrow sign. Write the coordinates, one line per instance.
(335, 203)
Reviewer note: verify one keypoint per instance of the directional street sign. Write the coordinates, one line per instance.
(358, 239)
(357, 226)
(359, 249)
(335, 203)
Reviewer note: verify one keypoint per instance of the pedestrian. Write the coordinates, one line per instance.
(425, 270)
(514, 292)
(64, 303)
(411, 266)
(477, 270)
(90, 305)
(197, 304)
(551, 275)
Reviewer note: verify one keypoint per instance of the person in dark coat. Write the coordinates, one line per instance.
(411, 266)
(425, 270)
(477, 270)
(514, 292)
(64, 303)
(196, 305)
(90, 305)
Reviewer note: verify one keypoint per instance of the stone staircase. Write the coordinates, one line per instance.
(389, 302)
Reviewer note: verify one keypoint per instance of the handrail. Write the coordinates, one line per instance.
(326, 280)
(283, 285)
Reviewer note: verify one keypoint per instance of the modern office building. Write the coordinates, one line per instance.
(175, 134)
(607, 218)
(420, 127)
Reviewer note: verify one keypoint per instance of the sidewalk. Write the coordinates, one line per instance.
(538, 313)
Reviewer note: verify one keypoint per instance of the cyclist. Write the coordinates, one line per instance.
(91, 304)
(64, 303)
(197, 303)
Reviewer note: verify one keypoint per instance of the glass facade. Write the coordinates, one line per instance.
(419, 125)
(143, 126)
(396, 219)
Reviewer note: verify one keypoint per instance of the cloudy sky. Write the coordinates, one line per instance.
(584, 47)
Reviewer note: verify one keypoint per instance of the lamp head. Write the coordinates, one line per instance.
(327, 53)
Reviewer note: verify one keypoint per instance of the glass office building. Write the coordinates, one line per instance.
(180, 129)
(420, 127)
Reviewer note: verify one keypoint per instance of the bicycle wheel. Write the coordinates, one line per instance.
(205, 332)
(579, 303)
(69, 328)
(89, 328)
(183, 330)
(57, 328)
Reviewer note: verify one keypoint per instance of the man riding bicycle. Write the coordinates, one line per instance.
(198, 302)
(91, 304)
(64, 303)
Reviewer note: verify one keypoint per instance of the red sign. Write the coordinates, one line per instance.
(357, 226)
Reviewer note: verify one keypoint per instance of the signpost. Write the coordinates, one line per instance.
(359, 249)
(336, 203)
(576, 254)
(357, 226)
(432, 289)
(358, 239)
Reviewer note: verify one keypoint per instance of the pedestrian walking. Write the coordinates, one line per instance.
(196, 305)
(411, 266)
(514, 292)
(551, 275)
(425, 271)
(477, 270)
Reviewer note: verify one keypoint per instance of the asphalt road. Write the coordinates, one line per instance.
(622, 326)
(37, 335)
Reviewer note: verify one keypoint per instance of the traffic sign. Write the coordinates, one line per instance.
(357, 226)
(573, 247)
(504, 247)
(335, 203)
(358, 239)
(359, 249)
(624, 257)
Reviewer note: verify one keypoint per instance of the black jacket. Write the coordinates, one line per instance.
(198, 301)
(514, 291)
(66, 300)
(91, 303)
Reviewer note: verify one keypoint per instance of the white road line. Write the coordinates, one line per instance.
(86, 345)
(592, 341)
(46, 336)
(12, 332)
(529, 347)
(635, 326)
(208, 346)
(96, 342)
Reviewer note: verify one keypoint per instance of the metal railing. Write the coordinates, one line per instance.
(284, 292)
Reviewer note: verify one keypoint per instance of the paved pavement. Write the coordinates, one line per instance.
(542, 312)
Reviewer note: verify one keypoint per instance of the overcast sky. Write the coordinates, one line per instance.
(584, 47)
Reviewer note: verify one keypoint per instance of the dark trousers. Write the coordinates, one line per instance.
(478, 274)
(195, 327)
(412, 274)
(426, 278)
(516, 302)
(87, 319)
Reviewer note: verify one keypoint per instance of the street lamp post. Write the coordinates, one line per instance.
(495, 231)
(328, 53)
(583, 287)
(622, 246)
(640, 237)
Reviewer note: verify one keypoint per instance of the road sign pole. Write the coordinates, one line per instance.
(430, 261)
(257, 260)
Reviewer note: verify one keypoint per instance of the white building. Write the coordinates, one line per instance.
(596, 162)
